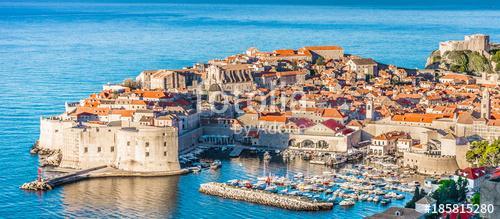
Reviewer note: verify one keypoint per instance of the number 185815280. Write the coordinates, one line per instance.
(463, 208)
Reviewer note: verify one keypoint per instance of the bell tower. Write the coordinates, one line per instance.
(485, 104)
(369, 109)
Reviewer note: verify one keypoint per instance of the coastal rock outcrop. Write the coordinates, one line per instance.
(36, 186)
(51, 158)
(466, 61)
(48, 157)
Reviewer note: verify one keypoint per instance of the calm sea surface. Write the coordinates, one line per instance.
(56, 52)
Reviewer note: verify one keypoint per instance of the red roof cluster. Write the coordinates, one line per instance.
(473, 173)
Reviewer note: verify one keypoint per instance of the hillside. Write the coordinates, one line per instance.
(472, 63)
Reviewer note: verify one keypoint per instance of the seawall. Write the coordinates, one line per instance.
(263, 198)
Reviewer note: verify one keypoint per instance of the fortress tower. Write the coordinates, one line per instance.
(477, 42)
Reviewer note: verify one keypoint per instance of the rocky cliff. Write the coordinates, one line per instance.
(469, 62)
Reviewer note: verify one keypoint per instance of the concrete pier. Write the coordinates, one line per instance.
(94, 172)
(263, 197)
(236, 152)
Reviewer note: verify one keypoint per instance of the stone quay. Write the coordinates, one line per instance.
(263, 197)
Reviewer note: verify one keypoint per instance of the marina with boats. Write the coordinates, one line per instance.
(346, 187)
(378, 185)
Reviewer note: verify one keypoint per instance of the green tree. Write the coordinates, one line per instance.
(447, 193)
(476, 198)
(496, 57)
(484, 154)
(417, 195)
(462, 189)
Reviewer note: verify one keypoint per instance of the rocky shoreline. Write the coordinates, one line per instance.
(262, 197)
(36, 186)
(48, 157)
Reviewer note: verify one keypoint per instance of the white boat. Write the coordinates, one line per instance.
(363, 197)
(320, 162)
(196, 169)
(233, 182)
(347, 202)
(271, 188)
(215, 165)
(262, 178)
(267, 156)
(299, 175)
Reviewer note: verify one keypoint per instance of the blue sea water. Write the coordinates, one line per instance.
(56, 51)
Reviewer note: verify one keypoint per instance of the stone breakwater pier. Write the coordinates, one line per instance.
(264, 198)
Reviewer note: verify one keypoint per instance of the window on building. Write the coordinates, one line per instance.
(165, 153)
(128, 143)
(147, 144)
(86, 149)
(112, 149)
(98, 149)
(164, 144)
(97, 129)
(147, 154)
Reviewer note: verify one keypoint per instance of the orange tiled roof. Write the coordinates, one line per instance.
(272, 118)
(415, 117)
(456, 77)
(284, 52)
(494, 122)
(91, 110)
(153, 94)
(138, 102)
(123, 113)
(332, 113)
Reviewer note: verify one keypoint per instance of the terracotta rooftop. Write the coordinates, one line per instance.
(473, 173)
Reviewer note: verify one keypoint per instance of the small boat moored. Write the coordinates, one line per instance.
(215, 165)
(347, 202)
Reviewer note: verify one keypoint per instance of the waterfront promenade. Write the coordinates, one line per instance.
(262, 197)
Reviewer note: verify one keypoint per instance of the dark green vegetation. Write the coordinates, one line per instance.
(417, 195)
(469, 62)
(476, 198)
(484, 154)
(496, 59)
(451, 192)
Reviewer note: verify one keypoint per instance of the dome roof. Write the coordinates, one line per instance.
(214, 87)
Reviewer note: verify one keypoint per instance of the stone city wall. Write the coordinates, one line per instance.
(430, 164)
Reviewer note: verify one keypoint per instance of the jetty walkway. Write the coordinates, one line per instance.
(263, 197)
(94, 172)
(236, 152)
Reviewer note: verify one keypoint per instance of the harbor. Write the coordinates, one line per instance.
(267, 174)
(345, 187)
